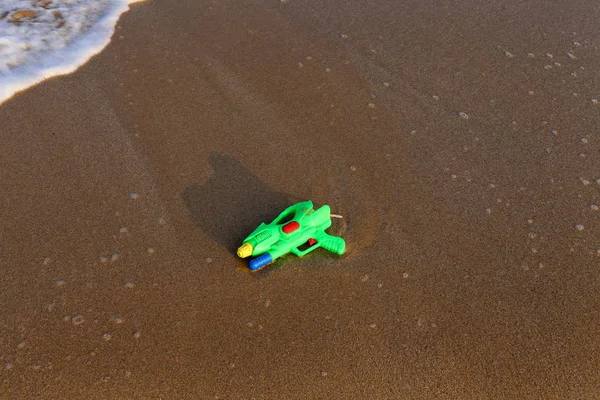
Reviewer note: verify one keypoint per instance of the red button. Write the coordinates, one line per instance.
(290, 227)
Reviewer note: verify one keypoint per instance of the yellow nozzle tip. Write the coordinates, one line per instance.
(245, 250)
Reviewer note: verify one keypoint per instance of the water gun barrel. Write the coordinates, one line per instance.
(260, 261)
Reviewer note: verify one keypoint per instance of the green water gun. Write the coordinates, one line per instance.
(299, 229)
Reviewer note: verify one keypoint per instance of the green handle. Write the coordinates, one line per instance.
(333, 244)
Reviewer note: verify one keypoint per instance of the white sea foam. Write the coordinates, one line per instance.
(40, 39)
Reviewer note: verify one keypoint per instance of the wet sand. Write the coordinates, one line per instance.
(458, 140)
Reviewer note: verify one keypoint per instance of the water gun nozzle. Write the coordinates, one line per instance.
(245, 250)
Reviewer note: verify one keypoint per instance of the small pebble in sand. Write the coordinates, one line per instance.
(133, 195)
(585, 182)
(162, 221)
(47, 260)
(59, 282)
(584, 140)
(103, 259)
(532, 235)
(463, 115)
(594, 207)
(364, 278)
(208, 260)
(114, 257)
(150, 250)
(352, 168)
(508, 54)
(530, 55)
(373, 326)
(106, 337)
(405, 275)
(137, 334)
(8, 365)
(549, 55)
(123, 229)
(300, 65)
(129, 285)
(579, 227)
(386, 84)
(344, 36)
(116, 319)
(327, 69)
(571, 55)
(77, 319)
(436, 98)
(531, 92)
(371, 105)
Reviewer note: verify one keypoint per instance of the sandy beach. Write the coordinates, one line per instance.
(459, 140)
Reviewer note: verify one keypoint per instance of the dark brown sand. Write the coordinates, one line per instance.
(460, 140)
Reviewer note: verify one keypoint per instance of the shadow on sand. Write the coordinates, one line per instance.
(233, 202)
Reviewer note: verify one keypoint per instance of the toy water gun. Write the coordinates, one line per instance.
(299, 230)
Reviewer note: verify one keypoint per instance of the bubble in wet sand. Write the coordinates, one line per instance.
(77, 319)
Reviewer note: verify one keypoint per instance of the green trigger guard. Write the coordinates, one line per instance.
(300, 253)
